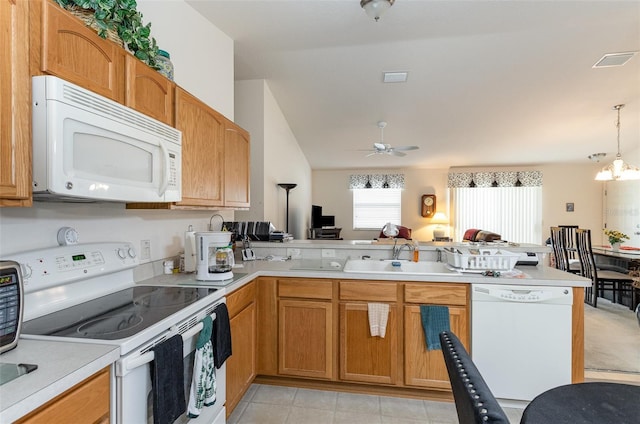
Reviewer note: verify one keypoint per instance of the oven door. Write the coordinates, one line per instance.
(134, 395)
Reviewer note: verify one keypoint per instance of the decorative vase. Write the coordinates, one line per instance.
(615, 246)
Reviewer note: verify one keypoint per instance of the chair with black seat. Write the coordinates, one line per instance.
(475, 404)
(617, 282)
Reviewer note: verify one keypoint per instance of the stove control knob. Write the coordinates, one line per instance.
(131, 252)
(121, 253)
(26, 270)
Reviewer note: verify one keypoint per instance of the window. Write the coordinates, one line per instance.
(372, 208)
(513, 212)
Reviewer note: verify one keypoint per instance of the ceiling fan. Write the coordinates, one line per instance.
(381, 147)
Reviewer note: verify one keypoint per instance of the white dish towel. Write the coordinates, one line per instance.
(378, 316)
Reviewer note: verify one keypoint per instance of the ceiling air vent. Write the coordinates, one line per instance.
(614, 59)
(394, 76)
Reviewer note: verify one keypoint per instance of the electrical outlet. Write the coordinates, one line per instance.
(294, 253)
(145, 249)
(328, 253)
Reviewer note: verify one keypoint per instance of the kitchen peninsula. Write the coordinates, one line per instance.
(293, 325)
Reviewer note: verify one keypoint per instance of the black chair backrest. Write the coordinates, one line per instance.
(558, 244)
(570, 240)
(475, 403)
(585, 254)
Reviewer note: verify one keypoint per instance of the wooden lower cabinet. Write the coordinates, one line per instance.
(305, 338)
(241, 366)
(422, 367)
(87, 402)
(364, 358)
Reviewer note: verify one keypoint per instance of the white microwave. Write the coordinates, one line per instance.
(89, 148)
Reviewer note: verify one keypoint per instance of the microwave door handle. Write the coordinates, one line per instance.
(126, 365)
(164, 183)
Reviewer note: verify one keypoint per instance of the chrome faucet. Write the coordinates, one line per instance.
(397, 249)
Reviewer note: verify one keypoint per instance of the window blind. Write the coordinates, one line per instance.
(513, 212)
(372, 208)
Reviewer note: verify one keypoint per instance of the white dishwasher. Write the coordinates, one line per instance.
(521, 338)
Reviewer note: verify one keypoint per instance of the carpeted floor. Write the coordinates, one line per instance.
(612, 338)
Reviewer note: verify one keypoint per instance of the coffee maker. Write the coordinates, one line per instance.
(214, 256)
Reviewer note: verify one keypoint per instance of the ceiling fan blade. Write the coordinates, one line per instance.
(406, 148)
(371, 154)
(395, 153)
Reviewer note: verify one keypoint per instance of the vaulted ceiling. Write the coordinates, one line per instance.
(489, 82)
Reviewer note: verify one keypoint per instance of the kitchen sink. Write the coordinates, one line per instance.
(398, 267)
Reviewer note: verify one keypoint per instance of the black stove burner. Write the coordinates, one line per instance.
(118, 315)
(108, 325)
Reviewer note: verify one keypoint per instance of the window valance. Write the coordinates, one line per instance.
(495, 179)
(376, 181)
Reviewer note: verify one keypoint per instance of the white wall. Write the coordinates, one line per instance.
(562, 184)
(202, 55)
(275, 149)
(206, 70)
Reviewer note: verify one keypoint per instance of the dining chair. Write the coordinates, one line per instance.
(617, 282)
(569, 233)
(559, 251)
(475, 404)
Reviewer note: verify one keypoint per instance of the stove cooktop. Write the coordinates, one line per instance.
(118, 315)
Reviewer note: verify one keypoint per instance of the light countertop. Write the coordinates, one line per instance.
(61, 365)
(529, 275)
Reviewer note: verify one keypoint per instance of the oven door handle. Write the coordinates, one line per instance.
(128, 364)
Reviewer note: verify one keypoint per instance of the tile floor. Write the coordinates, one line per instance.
(265, 404)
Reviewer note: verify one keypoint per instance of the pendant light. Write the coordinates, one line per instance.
(618, 170)
(375, 8)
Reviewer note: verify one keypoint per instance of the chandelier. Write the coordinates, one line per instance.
(618, 170)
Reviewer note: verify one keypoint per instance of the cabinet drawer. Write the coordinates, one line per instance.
(241, 298)
(436, 294)
(88, 402)
(368, 290)
(305, 288)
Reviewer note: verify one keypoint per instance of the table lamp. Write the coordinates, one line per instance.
(439, 218)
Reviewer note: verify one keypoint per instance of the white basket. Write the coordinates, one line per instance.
(482, 259)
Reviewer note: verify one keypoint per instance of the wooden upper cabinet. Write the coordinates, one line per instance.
(236, 177)
(148, 91)
(203, 164)
(75, 53)
(15, 105)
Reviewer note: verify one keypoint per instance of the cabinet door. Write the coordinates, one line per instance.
(241, 366)
(236, 176)
(362, 357)
(77, 54)
(426, 368)
(202, 151)
(15, 105)
(305, 338)
(148, 91)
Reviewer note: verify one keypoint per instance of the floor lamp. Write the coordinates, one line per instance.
(287, 187)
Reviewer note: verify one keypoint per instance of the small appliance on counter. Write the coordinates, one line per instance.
(11, 304)
(214, 256)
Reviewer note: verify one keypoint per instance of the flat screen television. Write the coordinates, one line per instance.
(328, 221)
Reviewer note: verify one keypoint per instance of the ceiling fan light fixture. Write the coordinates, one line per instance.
(376, 8)
(618, 170)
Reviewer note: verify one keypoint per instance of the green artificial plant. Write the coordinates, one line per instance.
(123, 17)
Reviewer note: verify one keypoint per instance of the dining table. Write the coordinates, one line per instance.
(585, 403)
